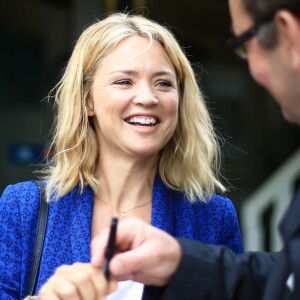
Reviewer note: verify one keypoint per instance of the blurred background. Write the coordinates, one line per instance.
(260, 149)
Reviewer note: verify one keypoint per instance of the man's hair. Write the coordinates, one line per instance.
(262, 11)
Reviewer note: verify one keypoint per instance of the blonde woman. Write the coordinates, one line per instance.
(132, 138)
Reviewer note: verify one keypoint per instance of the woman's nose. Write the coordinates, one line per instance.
(145, 96)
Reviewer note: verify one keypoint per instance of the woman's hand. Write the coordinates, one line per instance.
(79, 281)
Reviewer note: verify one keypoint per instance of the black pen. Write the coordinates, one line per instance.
(110, 247)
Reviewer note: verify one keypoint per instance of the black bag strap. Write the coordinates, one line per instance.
(39, 238)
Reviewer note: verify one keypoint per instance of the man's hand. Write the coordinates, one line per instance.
(144, 253)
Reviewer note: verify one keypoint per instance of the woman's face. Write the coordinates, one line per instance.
(134, 99)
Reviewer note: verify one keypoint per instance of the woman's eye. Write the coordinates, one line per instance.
(123, 82)
(165, 83)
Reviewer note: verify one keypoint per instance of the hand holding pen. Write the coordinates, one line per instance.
(143, 253)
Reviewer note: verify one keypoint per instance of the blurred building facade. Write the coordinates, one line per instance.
(37, 37)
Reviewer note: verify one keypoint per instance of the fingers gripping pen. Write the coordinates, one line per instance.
(110, 247)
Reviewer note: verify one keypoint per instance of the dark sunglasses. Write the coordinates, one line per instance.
(237, 43)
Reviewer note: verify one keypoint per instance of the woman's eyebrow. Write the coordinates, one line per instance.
(134, 72)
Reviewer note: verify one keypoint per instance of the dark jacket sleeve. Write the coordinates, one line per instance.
(215, 272)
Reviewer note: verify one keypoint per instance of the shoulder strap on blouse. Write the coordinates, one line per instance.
(39, 238)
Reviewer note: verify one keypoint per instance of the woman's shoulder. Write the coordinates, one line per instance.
(212, 201)
(21, 192)
(219, 199)
(21, 187)
(219, 203)
(19, 207)
(214, 205)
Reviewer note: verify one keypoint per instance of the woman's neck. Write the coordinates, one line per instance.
(125, 184)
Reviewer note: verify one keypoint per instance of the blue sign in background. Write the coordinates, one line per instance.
(26, 153)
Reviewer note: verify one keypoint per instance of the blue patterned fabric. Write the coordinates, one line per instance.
(68, 233)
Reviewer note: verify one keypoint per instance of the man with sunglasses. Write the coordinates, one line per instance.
(267, 34)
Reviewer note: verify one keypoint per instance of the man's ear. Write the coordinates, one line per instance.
(90, 106)
(288, 26)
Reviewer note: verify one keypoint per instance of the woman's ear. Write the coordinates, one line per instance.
(90, 106)
(289, 29)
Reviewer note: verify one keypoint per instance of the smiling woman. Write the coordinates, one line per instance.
(189, 162)
(132, 138)
(134, 101)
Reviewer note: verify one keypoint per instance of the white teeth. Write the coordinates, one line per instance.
(142, 121)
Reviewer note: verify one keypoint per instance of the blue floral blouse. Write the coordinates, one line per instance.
(68, 233)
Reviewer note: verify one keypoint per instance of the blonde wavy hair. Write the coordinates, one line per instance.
(188, 163)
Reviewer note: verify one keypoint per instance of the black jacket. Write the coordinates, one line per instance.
(215, 272)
